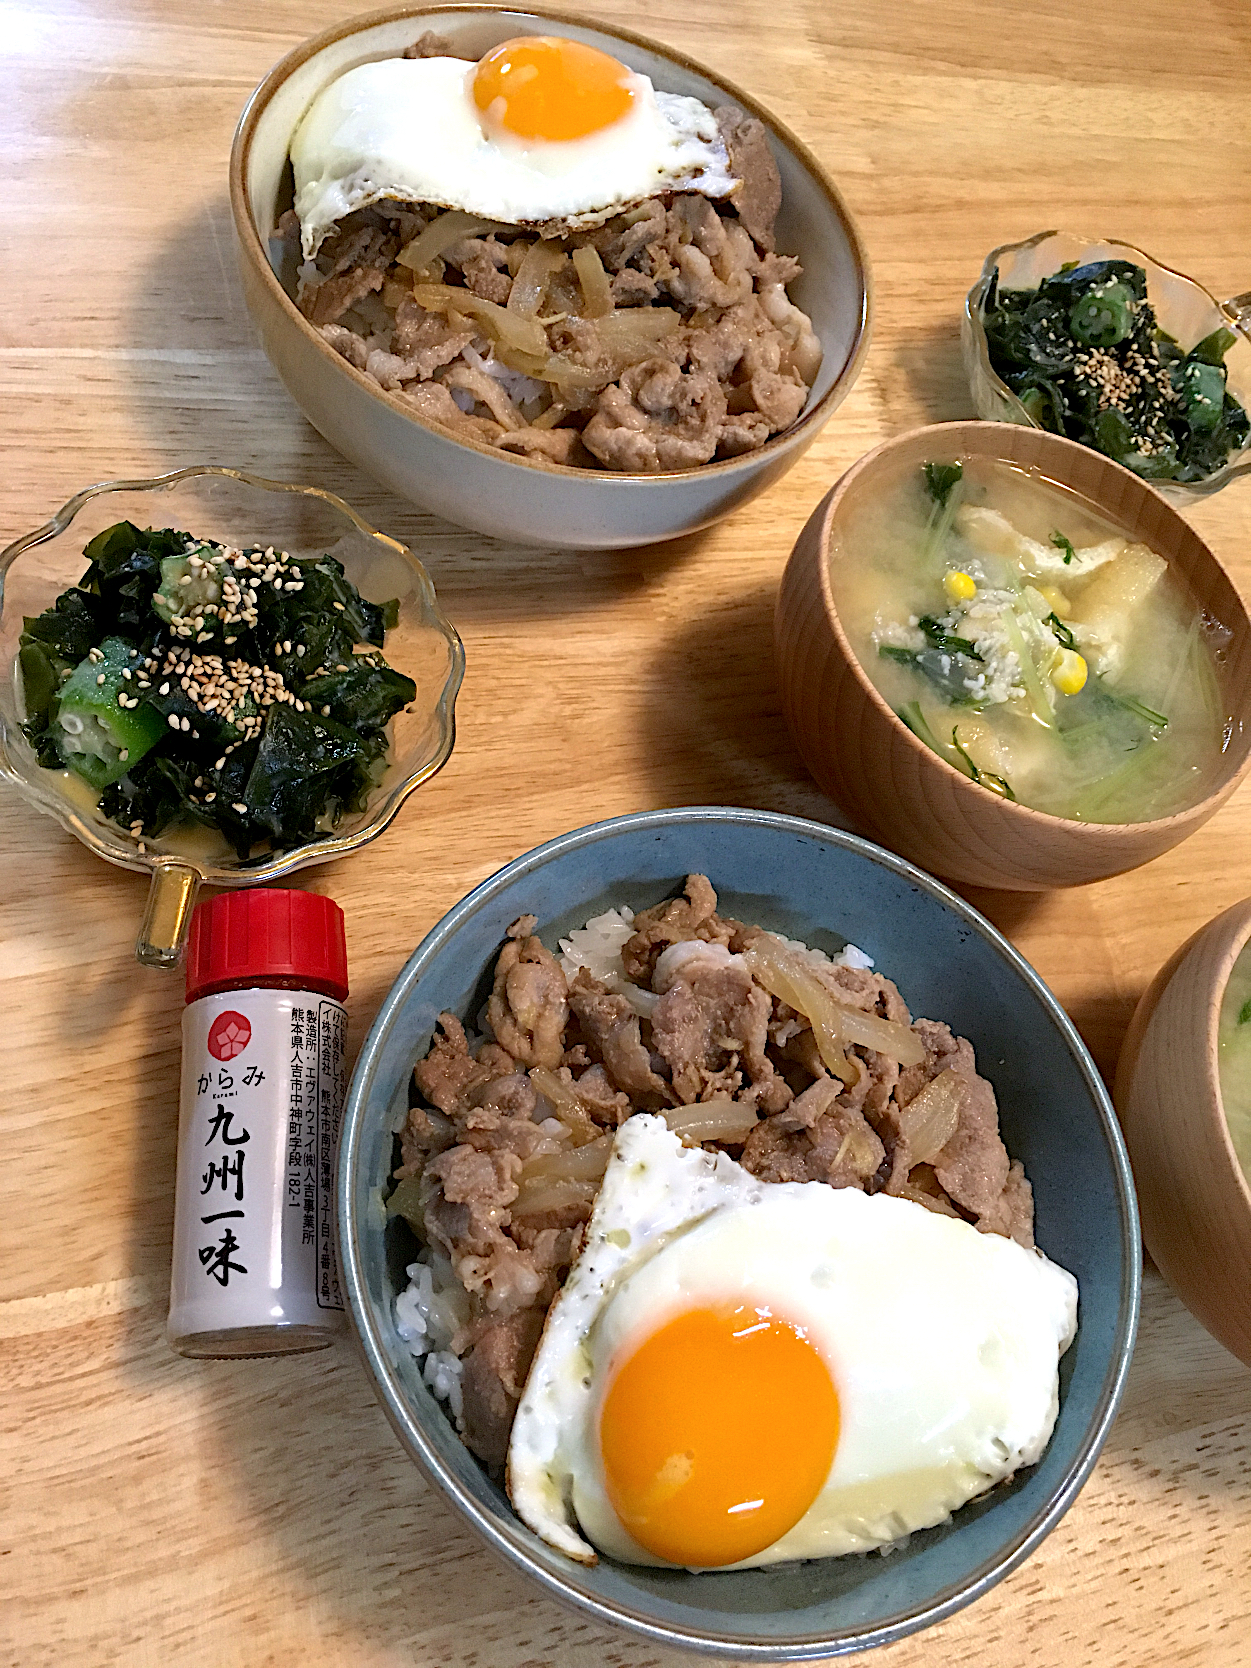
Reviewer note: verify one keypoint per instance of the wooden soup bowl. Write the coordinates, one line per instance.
(1193, 1198)
(899, 791)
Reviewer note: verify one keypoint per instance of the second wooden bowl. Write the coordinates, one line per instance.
(899, 791)
(1193, 1198)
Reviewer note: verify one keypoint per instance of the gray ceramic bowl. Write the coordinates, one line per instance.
(476, 485)
(828, 887)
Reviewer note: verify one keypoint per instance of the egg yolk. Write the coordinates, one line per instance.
(717, 1434)
(549, 88)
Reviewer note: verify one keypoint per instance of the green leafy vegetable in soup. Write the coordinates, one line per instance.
(1087, 358)
(184, 681)
(1031, 644)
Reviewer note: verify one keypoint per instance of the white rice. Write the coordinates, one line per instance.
(598, 945)
(428, 1314)
(848, 956)
(435, 1306)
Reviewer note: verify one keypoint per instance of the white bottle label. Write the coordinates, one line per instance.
(262, 1094)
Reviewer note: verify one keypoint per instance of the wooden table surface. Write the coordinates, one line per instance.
(163, 1511)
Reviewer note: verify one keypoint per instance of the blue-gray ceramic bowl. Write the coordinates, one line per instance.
(826, 887)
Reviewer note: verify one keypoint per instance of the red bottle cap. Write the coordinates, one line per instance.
(267, 935)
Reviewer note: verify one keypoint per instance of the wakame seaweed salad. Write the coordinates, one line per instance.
(241, 689)
(1087, 358)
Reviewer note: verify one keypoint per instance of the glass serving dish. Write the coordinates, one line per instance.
(238, 509)
(1184, 308)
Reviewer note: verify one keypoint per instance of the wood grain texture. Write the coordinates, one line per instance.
(900, 791)
(1193, 1198)
(164, 1512)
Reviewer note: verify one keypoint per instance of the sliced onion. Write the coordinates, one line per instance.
(852, 1025)
(888, 1036)
(718, 1119)
(564, 1102)
(516, 252)
(632, 351)
(633, 336)
(631, 324)
(548, 419)
(583, 1164)
(442, 233)
(568, 373)
(932, 1201)
(533, 276)
(931, 1118)
(553, 1195)
(552, 367)
(858, 1149)
(594, 280)
(510, 329)
(786, 976)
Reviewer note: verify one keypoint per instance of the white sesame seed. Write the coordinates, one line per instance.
(173, 720)
(240, 807)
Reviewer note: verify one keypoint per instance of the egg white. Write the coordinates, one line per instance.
(408, 128)
(943, 1343)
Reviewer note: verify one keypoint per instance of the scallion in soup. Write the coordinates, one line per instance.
(1032, 644)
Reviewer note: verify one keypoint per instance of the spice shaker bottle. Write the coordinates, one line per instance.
(254, 1269)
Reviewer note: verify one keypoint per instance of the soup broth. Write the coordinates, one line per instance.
(1031, 644)
(1233, 1043)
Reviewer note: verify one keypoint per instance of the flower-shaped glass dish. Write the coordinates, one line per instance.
(237, 509)
(1183, 308)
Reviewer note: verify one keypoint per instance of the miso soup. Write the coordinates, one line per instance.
(1233, 1047)
(1032, 644)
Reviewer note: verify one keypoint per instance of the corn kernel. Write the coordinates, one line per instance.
(958, 586)
(1055, 599)
(1069, 673)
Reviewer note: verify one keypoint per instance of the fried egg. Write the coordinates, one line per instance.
(541, 130)
(737, 1372)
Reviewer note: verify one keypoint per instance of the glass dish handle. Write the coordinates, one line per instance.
(167, 914)
(1239, 308)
